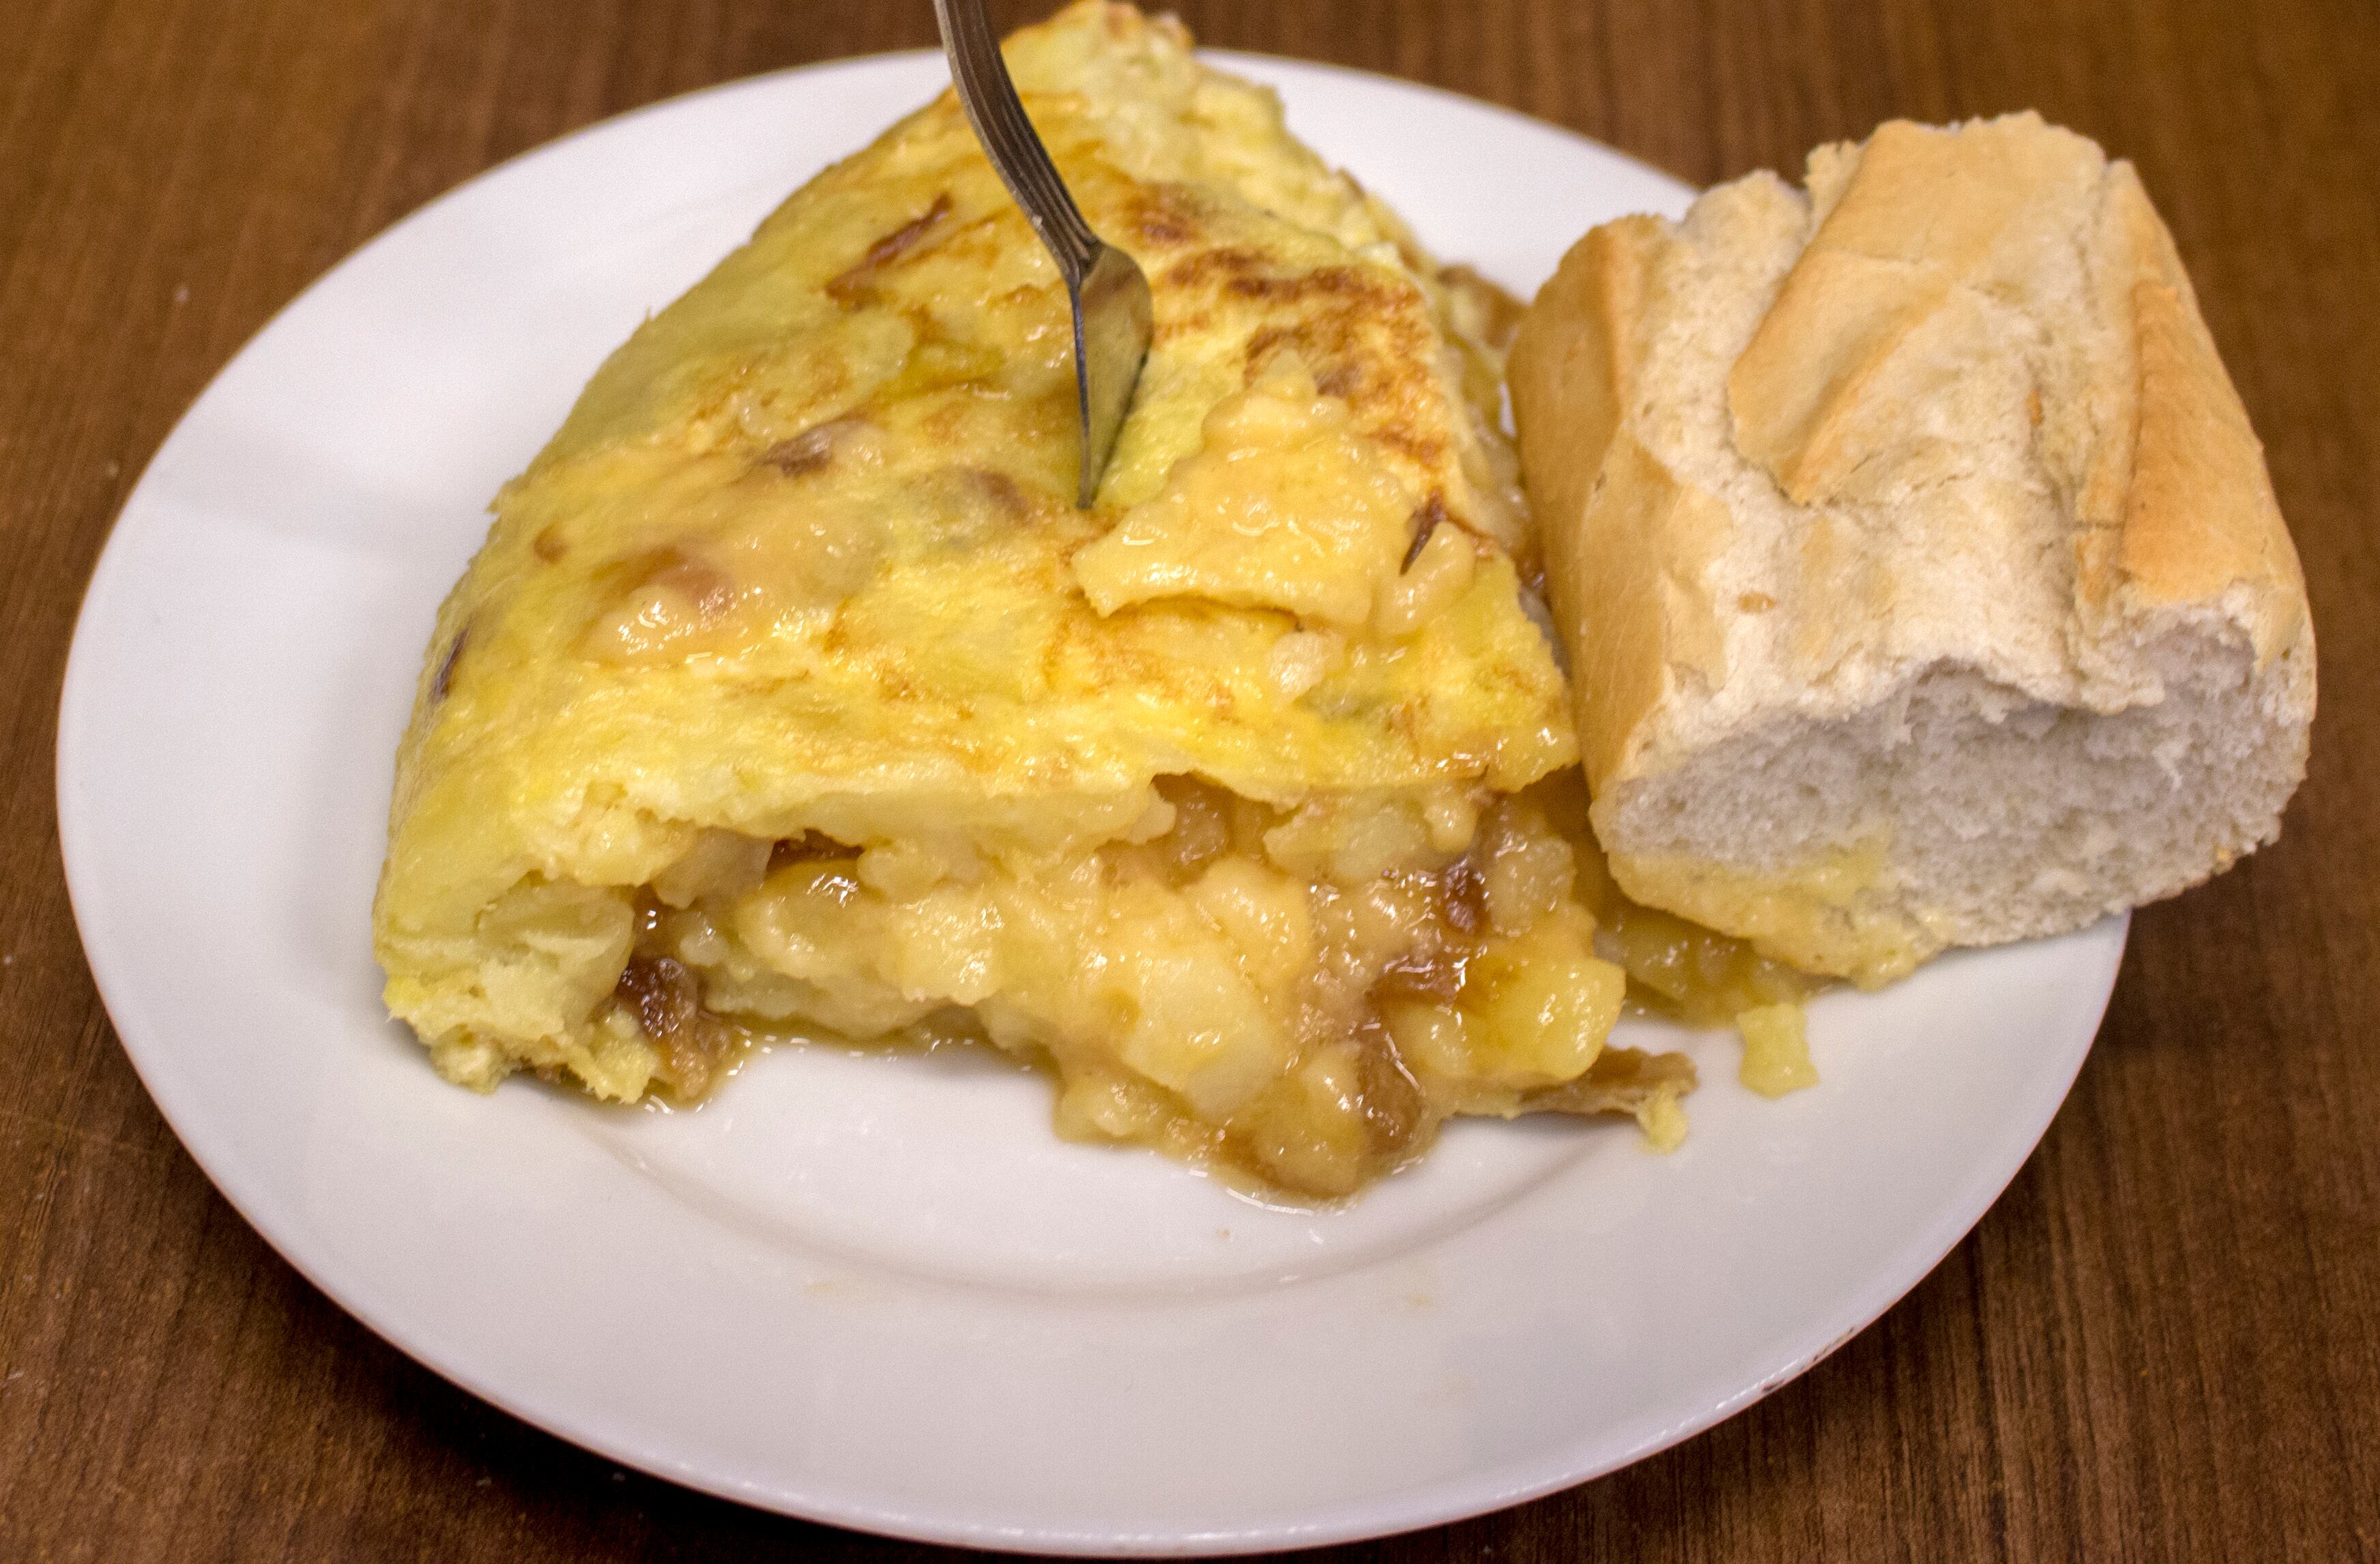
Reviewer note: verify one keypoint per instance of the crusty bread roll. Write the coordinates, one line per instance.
(1920, 576)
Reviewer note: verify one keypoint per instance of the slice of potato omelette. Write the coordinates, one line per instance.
(791, 693)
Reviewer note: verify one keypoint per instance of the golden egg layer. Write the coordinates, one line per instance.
(791, 691)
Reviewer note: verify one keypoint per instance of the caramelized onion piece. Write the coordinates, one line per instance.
(1621, 1080)
(1393, 1109)
(808, 847)
(666, 998)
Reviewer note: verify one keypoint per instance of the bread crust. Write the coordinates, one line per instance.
(2200, 522)
(1868, 520)
(1619, 573)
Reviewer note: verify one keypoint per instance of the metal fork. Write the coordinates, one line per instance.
(1112, 317)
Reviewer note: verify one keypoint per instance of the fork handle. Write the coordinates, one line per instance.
(998, 116)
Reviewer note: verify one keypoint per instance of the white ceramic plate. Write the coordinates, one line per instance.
(877, 1291)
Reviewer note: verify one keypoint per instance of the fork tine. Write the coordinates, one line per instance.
(1107, 294)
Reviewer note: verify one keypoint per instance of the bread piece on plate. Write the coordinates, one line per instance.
(1922, 579)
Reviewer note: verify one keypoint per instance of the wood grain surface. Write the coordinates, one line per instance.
(2164, 1341)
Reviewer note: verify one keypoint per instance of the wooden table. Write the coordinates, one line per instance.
(2164, 1339)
